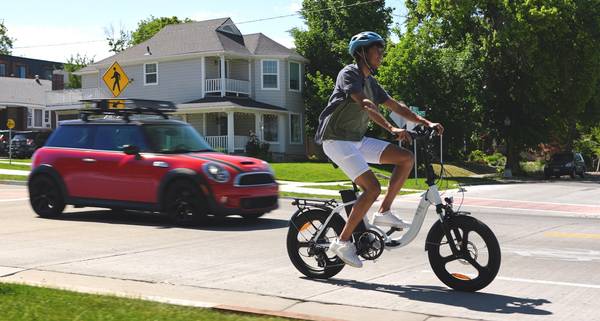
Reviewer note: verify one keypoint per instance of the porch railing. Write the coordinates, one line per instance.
(231, 85)
(219, 143)
(58, 98)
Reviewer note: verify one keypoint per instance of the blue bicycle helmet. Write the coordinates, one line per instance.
(364, 38)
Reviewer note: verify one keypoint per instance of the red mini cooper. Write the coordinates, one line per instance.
(129, 160)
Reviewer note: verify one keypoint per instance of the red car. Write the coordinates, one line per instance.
(142, 163)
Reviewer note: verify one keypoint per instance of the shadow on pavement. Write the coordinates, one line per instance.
(230, 223)
(477, 301)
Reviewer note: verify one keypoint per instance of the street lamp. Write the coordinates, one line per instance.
(507, 170)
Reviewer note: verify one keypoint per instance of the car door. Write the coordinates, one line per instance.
(73, 158)
(122, 177)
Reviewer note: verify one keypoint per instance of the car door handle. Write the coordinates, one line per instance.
(88, 160)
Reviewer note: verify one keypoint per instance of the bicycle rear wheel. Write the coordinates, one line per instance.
(310, 256)
(477, 261)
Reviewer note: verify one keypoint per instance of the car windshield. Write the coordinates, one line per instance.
(176, 138)
(562, 158)
(19, 137)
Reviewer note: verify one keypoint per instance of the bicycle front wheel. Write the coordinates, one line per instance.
(309, 255)
(476, 260)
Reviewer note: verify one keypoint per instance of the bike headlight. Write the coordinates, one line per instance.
(569, 164)
(216, 172)
(269, 168)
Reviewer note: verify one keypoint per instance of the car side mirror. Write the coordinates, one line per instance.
(132, 150)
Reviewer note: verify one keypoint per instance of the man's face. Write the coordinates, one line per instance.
(375, 55)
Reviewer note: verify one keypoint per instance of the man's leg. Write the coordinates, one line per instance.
(404, 160)
(371, 190)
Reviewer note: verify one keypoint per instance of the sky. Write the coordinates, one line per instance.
(48, 29)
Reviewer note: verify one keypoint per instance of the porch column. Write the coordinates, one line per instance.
(258, 130)
(230, 133)
(249, 77)
(281, 132)
(204, 124)
(203, 78)
(222, 57)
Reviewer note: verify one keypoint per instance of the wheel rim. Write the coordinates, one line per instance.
(472, 262)
(310, 252)
(183, 208)
(44, 196)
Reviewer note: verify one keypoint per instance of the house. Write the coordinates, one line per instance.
(225, 84)
(23, 86)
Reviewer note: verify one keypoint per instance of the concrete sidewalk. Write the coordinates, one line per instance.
(218, 299)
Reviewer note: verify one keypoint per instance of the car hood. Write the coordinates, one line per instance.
(239, 163)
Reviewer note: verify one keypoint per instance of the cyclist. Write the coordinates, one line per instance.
(342, 125)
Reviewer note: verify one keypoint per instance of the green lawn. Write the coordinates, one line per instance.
(24, 303)
(12, 177)
(15, 166)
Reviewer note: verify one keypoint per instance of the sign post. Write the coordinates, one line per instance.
(10, 124)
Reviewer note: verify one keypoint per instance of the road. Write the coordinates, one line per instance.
(549, 233)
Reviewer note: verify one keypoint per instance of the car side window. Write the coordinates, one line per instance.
(73, 136)
(111, 137)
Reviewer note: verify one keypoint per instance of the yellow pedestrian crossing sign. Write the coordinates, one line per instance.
(115, 79)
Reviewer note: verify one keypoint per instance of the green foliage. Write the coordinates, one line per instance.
(73, 64)
(6, 42)
(494, 160)
(256, 148)
(150, 26)
(535, 62)
(589, 144)
(325, 44)
(117, 43)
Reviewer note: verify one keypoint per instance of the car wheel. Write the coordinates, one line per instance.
(185, 204)
(45, 197)
(572, 174)
(582, 175)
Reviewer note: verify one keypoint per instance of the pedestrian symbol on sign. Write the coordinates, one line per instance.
(115, 79)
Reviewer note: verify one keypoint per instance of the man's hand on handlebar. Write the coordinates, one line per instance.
(438, 127)
(401, 134)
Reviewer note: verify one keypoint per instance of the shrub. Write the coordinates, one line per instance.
(256, 148)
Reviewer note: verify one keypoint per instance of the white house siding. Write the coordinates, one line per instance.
(238, 69)
(90, 81)
(178, 81)
(270, 96)
(212, 67)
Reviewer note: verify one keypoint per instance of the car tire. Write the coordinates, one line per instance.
(45, 197)
(572, 174)
(582, 175)
(185, 204)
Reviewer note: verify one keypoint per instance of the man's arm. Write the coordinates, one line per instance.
(400, 108)
(373, 111)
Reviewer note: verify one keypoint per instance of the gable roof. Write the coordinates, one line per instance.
(198, 37)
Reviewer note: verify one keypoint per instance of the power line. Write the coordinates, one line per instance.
(59, 44)
(297, 13)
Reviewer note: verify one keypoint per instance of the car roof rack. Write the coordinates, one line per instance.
(127, 107)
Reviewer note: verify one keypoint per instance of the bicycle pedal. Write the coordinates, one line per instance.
(392, 243)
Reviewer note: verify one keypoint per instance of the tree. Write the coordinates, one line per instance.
(149, 27)
(117, 43)
(331, 24)
(6, 43)
(539, 61)
(73, 64)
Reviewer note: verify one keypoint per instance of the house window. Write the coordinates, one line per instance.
(29, 118)
(21, 72)
(294, 76)
(38, 117)
(2, 70)
(151, 74)
(46, 117)
(295, 129)
(270, 127)
(270, 74)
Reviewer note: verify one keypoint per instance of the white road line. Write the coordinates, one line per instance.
(505, 278)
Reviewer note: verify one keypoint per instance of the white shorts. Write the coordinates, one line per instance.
(354, 157)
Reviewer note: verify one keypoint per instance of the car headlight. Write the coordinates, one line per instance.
(216, 172)
(569, 164)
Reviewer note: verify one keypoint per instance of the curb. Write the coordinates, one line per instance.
(19, 183)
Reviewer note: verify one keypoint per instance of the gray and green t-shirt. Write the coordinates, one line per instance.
(343, 118)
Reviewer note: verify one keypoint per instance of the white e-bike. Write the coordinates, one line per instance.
(463, 252)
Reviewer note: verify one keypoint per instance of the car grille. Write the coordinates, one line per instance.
(255, 179)
(258, 202)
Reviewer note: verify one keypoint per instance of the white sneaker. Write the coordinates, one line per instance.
(389, 219)
(346, 251)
